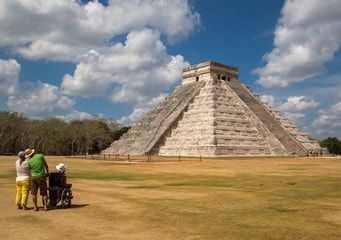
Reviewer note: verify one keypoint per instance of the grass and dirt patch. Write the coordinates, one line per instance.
(282, 198)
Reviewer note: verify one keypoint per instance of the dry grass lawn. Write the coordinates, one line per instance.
(273, 198)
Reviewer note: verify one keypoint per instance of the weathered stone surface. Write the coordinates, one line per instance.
(211, 114)
(139, 138)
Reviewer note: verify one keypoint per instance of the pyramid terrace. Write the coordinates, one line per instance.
(212, 114)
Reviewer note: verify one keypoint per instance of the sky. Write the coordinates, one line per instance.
(117, 59)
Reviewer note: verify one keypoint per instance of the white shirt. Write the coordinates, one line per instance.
(23, 171)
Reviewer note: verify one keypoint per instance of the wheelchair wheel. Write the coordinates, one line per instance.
(66, 198)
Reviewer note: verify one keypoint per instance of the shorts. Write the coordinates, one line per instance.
(39, 183)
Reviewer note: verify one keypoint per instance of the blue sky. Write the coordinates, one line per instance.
(117, 59)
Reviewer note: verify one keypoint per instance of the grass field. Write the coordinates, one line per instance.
(276, 198)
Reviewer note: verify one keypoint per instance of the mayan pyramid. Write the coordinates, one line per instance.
(212, 114)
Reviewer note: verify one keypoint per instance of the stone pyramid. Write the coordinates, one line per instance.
(212, 114)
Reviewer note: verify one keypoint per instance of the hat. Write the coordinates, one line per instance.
(21, 154)
(61, 167)
(29, 152)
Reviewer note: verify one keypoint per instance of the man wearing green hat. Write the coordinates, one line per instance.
(39, 171)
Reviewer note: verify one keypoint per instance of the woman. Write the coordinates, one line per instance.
(23, 181)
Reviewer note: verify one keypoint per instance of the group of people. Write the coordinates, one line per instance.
(32, 171)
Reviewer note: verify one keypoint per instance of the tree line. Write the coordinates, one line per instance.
(55, 136)
(333, 144)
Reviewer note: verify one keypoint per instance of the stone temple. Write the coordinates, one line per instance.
(212, 114)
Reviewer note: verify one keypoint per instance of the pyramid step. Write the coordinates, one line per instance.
(268, 120)
(213, 117)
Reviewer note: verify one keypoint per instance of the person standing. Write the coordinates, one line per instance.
(23, 181)
(39, 171)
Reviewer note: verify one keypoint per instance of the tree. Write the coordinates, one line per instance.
(55, 136)
(333, 145)
(118, 133)
(12, 135)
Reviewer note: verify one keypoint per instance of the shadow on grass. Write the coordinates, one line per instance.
(73, 206)
(79, 205)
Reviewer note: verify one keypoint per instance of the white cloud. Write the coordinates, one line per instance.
(307, 35)
(294, 117)
(268, 99)
(89, 35)
(134, 117)
(9, 76)
(64, 29)
(294, 107)
(328, 123)
(140, 110)
(74, 114)
(43, 100)
(298, 104)
(139, 70)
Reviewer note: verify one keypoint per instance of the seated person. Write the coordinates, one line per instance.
(57, 182)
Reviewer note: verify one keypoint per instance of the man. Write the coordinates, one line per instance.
(39, 171)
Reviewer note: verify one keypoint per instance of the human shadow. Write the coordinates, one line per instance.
(79, 205)
(73, 206)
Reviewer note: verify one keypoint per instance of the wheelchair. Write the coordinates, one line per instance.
(59, 190)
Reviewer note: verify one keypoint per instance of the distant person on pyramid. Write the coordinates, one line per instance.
(23, 181)
(39, 170)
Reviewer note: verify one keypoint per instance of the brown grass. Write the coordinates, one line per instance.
(273, 198)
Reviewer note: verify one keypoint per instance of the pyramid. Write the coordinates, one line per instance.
(212, 114)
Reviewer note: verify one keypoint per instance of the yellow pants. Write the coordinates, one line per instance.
(23, 189)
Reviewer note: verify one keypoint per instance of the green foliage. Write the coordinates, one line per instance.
(55, 136)
(333, 144)
(118, 133)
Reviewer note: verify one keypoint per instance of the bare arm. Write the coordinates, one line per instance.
(46, 166)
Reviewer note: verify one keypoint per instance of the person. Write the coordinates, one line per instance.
(23, 181)
(39, 171)
(58, 183)
(61, 168)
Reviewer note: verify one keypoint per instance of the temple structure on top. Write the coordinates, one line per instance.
(212, 114)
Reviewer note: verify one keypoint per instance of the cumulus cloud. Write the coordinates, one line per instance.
(89, 34)
(43, 100)
(9, 76)
(140, 110)
(294, 117)
(307, 35)
(268, 99)
(294, 107)
(298, 104)
(141, 59)
(64, 29)
(328, 122)
(74, 114)
(138, 70)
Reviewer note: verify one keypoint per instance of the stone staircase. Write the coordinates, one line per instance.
(275, 127)
(308, 143)
(215, 124)
(143, 136)
(211, 114)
